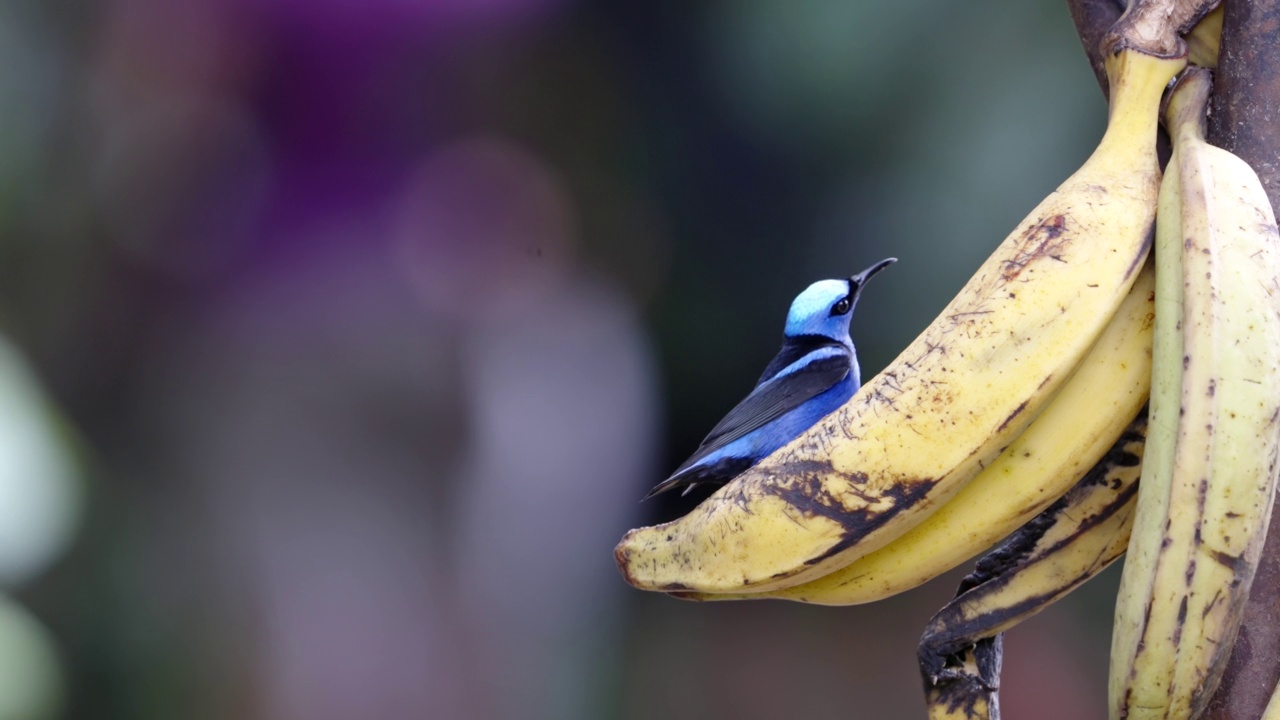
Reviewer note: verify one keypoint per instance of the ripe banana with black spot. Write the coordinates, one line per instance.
(1071, 541)
(953, 400)
(1209, 475)
(1055, 451)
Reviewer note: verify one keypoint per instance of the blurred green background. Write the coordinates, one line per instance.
(342, 338)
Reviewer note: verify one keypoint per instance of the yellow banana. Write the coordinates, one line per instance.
(1209, 478)
(1204, 39)
(1073, 540)
(953, 400)
(1055, 451)
(1163, 413)
(1273, 706)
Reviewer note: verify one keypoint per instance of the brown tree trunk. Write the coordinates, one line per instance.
(1093, 18)
(1245, 119)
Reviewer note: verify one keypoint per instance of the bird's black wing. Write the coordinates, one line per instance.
(774, 398)
(793, 349)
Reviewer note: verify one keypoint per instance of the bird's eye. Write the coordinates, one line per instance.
(841, 307)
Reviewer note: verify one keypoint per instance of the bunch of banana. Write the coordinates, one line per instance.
(1207, 481)
(1209, 476)
(959, 396)
(1055, 451)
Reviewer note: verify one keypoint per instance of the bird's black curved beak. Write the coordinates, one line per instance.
(857, 281)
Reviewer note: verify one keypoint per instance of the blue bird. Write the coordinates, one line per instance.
(815, 372)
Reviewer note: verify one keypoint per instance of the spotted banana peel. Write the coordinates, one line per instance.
(1213, 452)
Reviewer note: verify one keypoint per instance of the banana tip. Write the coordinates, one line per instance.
(631, 553)
(622, 556)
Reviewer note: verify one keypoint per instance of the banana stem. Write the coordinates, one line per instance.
(1136, 83)
(1186, 104)
(1093, 19)
(1155, 27)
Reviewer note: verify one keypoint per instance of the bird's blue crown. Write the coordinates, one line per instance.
(811, 311)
